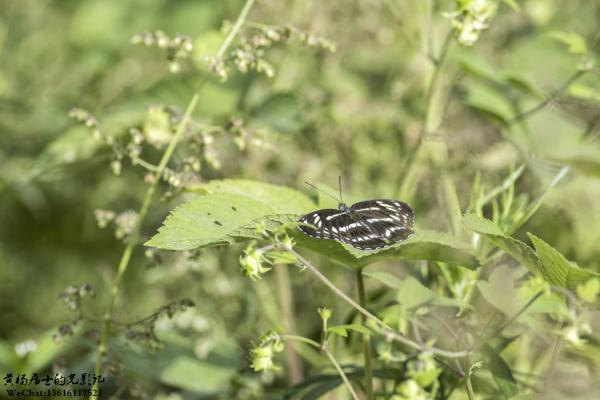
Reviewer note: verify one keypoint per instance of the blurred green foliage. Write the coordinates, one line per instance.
(362, 112)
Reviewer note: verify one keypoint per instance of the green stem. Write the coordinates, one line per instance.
(470, 391)
(366, 338)
(428, 127)
(289, 322)
(385, 329)
(323, 347)
(340, 371)
(134, 239)
(236, 28)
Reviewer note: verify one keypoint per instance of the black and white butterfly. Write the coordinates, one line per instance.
(366, 225)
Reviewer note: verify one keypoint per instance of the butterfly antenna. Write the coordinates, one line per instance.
(340, 185)
(319, 190)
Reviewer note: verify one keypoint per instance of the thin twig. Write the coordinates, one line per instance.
(429, 96)
(340, 371)
(323, 347)
(553, 360)
(366, 337)
(135, 237)
(385, 329)
(512, 319)
(527, 113)
(236, 28)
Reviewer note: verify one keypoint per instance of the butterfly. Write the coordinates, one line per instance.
(366, 225)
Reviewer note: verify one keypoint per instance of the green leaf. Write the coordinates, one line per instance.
(563, 272)
(342, 330)
(386, 278)
(412, 293)
(426, 245)
(575, 42)
(489, 100)
(545, 260)
(524, 85)
(208, 220)
(589, 290)
(281, 199)
(517, 249)
(500, 372)
(499, 290)
(177, 366)
(229, 210)
(479, 67)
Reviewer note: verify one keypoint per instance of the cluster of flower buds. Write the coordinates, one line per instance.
(177, 48)
(470, 18)
(250, 52)
(124, 222)
(256, 262)
(72, 295)
(88, 120)
(262, 355)
(143, 333)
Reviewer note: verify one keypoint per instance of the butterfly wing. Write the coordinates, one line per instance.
(360, 235)
(389, 220)
(324, 224)
(367, 225)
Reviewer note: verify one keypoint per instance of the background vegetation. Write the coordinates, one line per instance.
(483, 115)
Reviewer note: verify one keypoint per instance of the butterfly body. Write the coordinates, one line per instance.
(366, 225)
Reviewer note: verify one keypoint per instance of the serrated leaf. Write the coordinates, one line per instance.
(342, 330)
(427, 245)
(545, 260)
(208, 220)
(576, 43)
(562, 271)
(281, 199)
(517, 249)
(423, 245)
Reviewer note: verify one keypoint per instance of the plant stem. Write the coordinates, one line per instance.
(387, 331)
(556, 348)
(340, 371)
(525, 114)
(134, 239)
(360, 283)
(323, 347)
(236, 28)
(470, 391)
(289, 323)
(428, 127)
